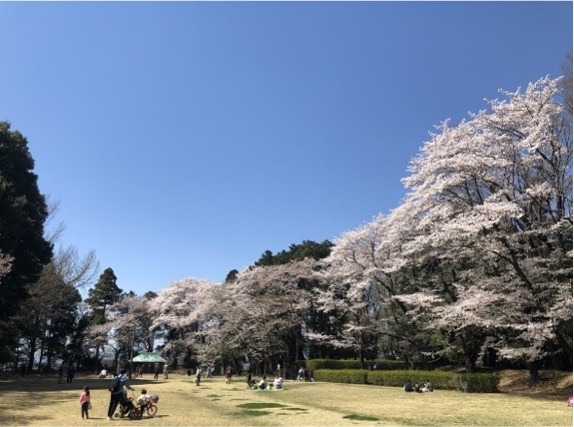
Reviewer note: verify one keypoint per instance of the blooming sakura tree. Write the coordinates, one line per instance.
(262, 312)
(494, 194)
(181, 311)
(480, 248)
(352, 298)
(366, 272)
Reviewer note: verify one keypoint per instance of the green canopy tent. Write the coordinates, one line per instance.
(148, 358)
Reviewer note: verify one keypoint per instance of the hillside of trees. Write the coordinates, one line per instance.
(474, 268)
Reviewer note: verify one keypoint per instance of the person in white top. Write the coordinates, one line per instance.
(278, 382)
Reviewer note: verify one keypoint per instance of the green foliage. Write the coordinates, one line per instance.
(440, 379)
(347, 376)
(315, 364)
(103, 294)
(23, 214)
(477, 383)
(296, 252)
(481, 382)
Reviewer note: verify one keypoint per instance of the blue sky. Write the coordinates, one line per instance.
(184, 139)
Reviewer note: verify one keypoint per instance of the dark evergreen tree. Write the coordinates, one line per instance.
(296, 252)
(23, 212)
(105, 293)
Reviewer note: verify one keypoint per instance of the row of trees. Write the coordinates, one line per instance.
(474, 266)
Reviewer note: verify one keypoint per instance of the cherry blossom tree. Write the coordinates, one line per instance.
(366, 272)
(494, 196)
(261, 313)
(130, 325)
(181, 311)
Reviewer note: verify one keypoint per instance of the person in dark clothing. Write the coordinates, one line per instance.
(60, 374)
(117, 392)
(156, 372)
(71, 373)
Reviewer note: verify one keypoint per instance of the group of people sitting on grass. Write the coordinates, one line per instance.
(277, 383)
(428, 386)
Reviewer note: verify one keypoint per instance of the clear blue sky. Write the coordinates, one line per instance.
(185, 139)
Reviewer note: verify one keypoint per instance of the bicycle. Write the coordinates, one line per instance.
(149, 407)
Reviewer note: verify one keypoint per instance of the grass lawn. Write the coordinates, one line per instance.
(42, 402)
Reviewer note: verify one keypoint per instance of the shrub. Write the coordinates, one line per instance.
(481, 382)
(440, 380)
(477, 383)
(346, 376)
(315, 364)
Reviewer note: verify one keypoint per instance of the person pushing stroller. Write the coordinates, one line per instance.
(118, 395)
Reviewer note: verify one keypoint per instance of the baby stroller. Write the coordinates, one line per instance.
(126, 407)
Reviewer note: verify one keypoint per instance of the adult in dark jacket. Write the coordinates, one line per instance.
(117, 392)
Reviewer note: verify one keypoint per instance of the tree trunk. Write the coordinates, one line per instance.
(96, 358)
(362, 352)
(31, 355)
(42, 354)
(533, 371)
(470, 364)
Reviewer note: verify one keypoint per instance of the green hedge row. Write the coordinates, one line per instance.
(315, 364)
(478, 383)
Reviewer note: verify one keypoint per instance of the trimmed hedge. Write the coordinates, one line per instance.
(346, 376)
(441, 380)
(481, 382)
(315, 364)
(478, 383)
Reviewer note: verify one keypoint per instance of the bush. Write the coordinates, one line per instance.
(345, 376)
(440, 380)
(315, 364)
(481, 382)
(477, 383)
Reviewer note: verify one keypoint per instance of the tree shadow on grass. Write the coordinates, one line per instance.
(553, 385)
(50, 383)
(358, 417)
(10, 420)
(23, 393)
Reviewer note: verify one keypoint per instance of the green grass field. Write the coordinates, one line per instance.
(39, 401)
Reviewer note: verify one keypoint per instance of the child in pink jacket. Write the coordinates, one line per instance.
(85, 402)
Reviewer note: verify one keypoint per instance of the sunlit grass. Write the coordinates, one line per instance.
(42, 402)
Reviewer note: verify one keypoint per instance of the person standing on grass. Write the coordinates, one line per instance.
(85, 402)
(228, 374)
(156, 372)
(117, 392)
(71, 373)
(60, 374)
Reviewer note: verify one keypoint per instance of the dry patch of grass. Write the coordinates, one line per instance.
(553, 384)
(43, 402)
